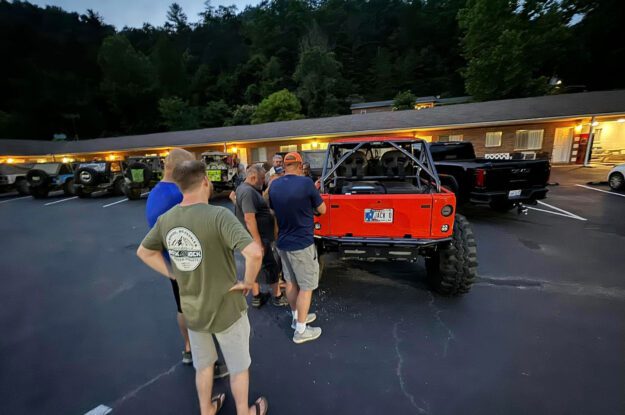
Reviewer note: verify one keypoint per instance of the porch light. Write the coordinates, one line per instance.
(10, 161)
(164, 154)
(315, 144)
(233, 149)
(111, 157)
(578, 128)
(596, 123)
(621, 120)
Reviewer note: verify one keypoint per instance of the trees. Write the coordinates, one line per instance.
(279, 106)
(318, 75)
(176, 114)
(404, 100)
(505, 45)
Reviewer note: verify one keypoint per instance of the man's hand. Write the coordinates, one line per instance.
(318, 184)
(246, 287)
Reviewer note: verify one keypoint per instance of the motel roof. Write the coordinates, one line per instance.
(502, 112)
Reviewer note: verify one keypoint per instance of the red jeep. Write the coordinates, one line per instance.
(385, 202)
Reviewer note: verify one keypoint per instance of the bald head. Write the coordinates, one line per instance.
(174, 158)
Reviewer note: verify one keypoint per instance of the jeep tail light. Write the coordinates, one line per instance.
(480, 175)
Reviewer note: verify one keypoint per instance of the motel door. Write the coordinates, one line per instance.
(562, 145)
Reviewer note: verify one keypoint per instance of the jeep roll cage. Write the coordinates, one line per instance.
(422, 163)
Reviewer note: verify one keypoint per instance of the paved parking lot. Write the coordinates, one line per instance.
(542, 332)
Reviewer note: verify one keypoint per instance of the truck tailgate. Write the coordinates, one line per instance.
(385, 215)
(510, 175)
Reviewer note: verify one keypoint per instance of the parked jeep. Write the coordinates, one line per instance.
(99, 175)
(222, 169)
(385, 202)
(13, 177)
(142, 173)
(47, 177)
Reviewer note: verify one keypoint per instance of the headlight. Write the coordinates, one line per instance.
(447, 210)
(444, 228)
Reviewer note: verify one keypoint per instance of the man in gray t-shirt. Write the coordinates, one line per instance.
(254, 213)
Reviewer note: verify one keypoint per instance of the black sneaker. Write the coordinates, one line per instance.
(280, 301)
(187, 359)
(259, 300)
(220, 371)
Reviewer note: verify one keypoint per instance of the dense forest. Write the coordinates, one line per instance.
(73, 75)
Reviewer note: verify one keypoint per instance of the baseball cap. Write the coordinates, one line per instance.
(292, 157)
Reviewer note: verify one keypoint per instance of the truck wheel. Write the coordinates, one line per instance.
(133, 193)
(39, 192)
(616, 181)
(118, 187)
(68, 188)
(22, 187)
(501, 205)
(452, 269)
(82, 193)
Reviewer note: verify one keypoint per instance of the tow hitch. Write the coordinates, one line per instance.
(521, 209)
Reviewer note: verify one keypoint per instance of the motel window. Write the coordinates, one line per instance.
(450, 137)
(529, 139)
(286, 149)
(259, 154)
(316, 146)
(493, 139)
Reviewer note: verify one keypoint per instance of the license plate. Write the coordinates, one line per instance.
(379, 215)
(514, 193)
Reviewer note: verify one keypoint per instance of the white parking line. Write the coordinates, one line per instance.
(17, 198)
(61, 201)
(556, 213)
(599, 190)
(572, 215)
(99, 410)
(114, 203)
(146, 193)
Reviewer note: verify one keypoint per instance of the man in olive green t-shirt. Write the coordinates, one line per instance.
(200, 240)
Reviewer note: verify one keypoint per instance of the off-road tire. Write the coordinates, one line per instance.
(118, 187)
(616, 181)
(68, 187)
(39, 192)
(452, 268)
(501, 205)
(21, 185)
(94, 179)
(132, 193)
(44, 179)
(81, 192)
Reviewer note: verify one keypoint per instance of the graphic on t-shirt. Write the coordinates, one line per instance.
(184, 249)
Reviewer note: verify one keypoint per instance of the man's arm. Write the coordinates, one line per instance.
(252, 227)
(253, 254)
(233, 197)
(321, 209)
(154, 260)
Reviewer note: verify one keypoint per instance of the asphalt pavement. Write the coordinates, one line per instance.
(84, 323)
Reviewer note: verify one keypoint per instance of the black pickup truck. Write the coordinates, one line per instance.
(503, 184)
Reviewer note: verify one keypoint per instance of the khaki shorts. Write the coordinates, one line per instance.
(234, 343)
(301, 267)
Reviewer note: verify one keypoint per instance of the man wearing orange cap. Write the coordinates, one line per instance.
(295, 200)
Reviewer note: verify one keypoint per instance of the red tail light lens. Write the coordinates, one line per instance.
(480, 175)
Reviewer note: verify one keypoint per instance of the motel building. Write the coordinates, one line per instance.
(582, 128)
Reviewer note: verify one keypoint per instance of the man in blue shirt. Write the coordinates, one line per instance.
(295, 200)
(163, 197)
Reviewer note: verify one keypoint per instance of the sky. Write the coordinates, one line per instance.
(134, 13)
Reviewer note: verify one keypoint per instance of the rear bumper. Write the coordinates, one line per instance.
(377, 249)
(527, 195)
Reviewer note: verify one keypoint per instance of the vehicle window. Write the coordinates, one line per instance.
(99, 167)
(452, 152)
(50, 168)
(65, 169)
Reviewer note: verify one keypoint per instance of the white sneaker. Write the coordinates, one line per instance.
(309, 319)
(310, 334)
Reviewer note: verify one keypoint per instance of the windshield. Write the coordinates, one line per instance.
(50, 168)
